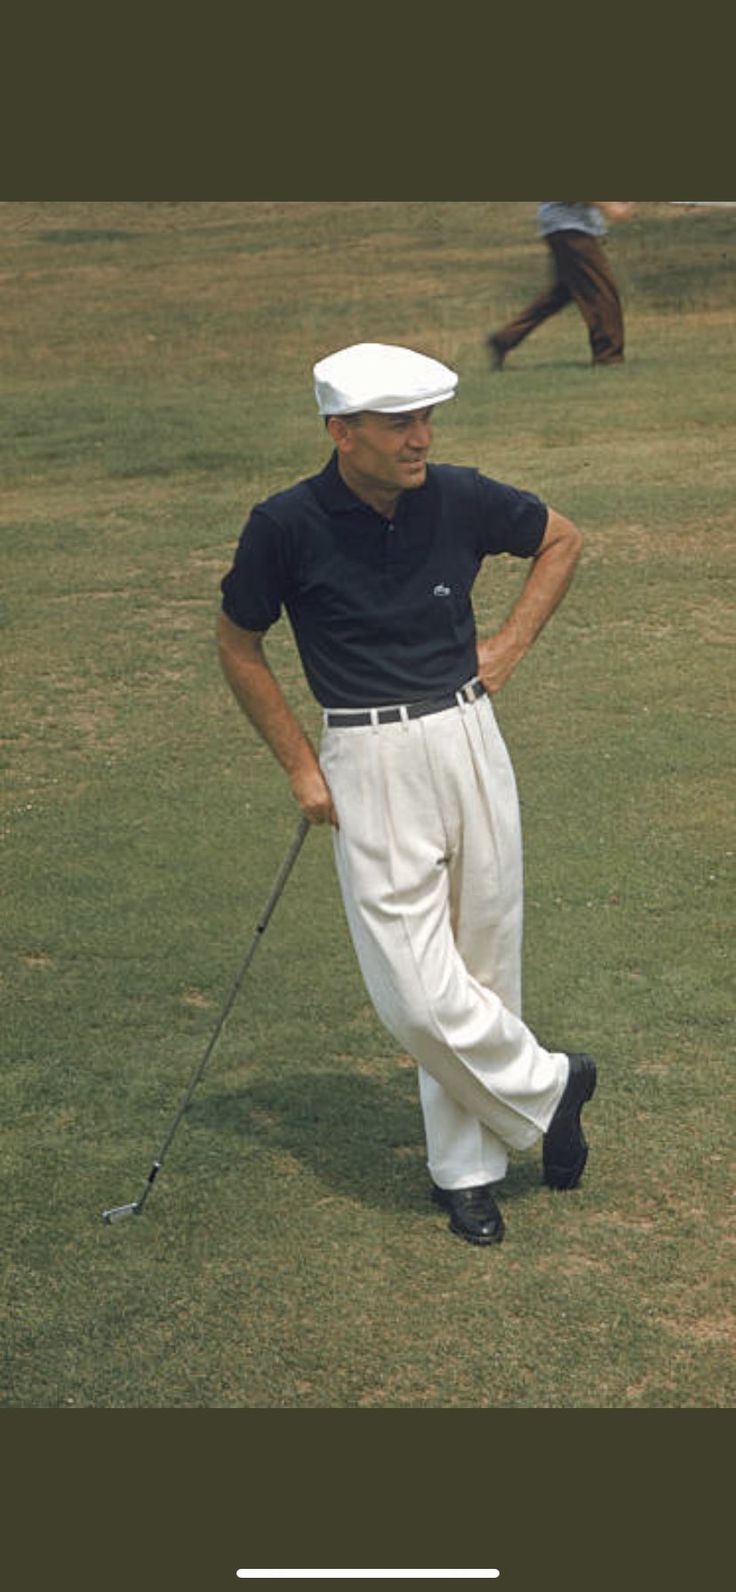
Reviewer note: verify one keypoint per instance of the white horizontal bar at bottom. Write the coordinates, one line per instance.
(368, 1575)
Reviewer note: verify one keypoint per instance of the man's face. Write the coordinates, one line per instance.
(384, 454)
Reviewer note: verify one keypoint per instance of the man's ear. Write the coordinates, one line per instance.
(342, 428)
(338, 430)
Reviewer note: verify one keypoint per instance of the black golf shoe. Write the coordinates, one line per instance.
(564, 1147)
(474, 1214)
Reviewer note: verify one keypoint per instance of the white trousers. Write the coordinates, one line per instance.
(429, 861)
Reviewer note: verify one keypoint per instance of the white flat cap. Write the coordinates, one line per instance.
(380, 377)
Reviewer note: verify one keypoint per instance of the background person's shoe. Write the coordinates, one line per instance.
(474, 1214)
(496, 353)
(564, 1147)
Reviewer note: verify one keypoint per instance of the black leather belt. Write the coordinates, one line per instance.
(412, 710)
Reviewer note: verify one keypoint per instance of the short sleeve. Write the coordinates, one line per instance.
(509, 520)
(256, 586)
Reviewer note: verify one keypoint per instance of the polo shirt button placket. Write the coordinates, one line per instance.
(389, 529)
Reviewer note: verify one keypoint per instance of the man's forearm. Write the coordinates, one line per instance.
(615, 209)
(543, 590)
(546, 584)
(260, 696)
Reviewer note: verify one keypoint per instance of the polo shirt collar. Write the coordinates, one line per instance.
(337, 498)
(334, 493)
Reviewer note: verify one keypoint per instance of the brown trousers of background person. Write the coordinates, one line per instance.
(582, 275)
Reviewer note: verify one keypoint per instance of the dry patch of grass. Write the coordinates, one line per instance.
(712, 536)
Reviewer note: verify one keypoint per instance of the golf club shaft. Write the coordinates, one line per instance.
(118, 1212)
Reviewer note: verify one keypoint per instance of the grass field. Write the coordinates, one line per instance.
(155, 375)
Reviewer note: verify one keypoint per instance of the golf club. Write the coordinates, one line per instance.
(117, 1212)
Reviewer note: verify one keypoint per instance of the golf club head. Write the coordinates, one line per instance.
(117, 1212)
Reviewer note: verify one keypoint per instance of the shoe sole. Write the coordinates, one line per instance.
(565, 1177)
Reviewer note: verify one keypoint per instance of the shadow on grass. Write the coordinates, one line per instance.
(363, 1138)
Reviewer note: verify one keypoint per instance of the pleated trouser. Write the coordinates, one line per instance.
(429, 862)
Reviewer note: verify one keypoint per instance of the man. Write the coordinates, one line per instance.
(374, 560)
(581, 274)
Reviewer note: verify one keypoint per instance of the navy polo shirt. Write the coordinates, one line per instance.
(381, 609)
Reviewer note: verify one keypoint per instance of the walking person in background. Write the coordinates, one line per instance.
(374, 560)
(581, 274)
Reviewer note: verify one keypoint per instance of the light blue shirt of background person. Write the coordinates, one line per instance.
(566, 215)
